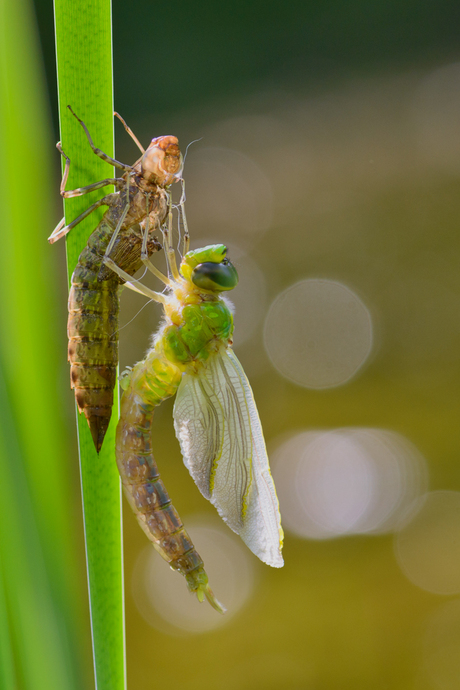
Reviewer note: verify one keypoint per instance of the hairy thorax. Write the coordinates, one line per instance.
(202, 329)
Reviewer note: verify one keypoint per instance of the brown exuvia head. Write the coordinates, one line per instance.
(162, 162)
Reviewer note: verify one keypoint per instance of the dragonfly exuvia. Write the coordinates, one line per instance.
(126, 233)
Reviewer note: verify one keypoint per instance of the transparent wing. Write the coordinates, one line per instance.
(220, 434)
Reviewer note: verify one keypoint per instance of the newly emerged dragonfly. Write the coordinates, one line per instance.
(126, 234)
(215, 418)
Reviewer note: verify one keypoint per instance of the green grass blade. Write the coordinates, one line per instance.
(84, 61)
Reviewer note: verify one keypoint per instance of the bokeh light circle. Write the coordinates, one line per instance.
(346, 481)
(161, 594)
(428, 544)
(318, 333)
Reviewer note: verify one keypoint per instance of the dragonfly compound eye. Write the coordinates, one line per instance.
(215, 277)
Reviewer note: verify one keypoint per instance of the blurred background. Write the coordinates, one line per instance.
(328, 161)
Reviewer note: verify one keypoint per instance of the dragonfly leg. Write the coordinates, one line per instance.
(146, 228)
(118, 182)
(134, 284)
(57, 231)
(144, 256)
(61, 230)
(66, 167)
(120, 221)
(98, 152)
(80, 191)
(130, 132)
(169, 249)
(156, 272)
(182, 216)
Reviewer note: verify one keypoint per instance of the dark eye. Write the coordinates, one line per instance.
(215, 277)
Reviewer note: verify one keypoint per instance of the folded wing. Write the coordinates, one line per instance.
(219, 430)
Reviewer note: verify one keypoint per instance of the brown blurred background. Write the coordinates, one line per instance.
(329, 161)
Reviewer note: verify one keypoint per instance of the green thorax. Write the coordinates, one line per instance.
(203, 329)
(199, 320)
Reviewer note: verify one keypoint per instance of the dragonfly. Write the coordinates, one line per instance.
(215, 418)
(126, 234)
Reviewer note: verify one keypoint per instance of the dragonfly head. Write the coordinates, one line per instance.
(162, 162)
(209, 269)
